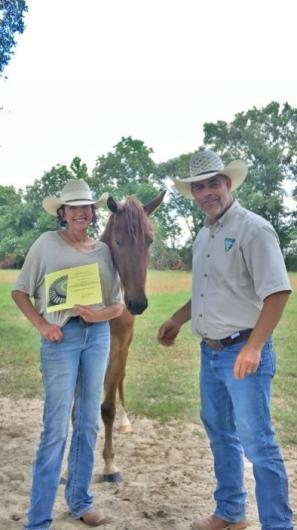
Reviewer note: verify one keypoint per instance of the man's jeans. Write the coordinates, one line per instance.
(72, 370)
(236, 415)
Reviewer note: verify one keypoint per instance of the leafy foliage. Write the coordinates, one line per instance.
(22, 219)
(265, 138)
(178, 207)
(130, 170)
(12, 22)
(124, 170)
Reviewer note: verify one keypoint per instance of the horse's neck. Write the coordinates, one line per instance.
(106, 238)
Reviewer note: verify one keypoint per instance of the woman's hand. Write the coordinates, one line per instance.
(50, 332)
(90, 314)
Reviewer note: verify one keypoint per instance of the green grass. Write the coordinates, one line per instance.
(161, 382)
(19, 350)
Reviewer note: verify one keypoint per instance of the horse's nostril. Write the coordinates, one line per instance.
(136, 307)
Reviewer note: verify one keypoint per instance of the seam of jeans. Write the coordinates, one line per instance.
(77, 427)
(273, 462)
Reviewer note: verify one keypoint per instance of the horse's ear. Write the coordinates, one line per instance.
(150, 207)
(112, 205)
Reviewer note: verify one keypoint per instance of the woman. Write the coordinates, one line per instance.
(74, 354)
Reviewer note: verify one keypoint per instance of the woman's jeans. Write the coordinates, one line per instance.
(73, 371)
(236, 415)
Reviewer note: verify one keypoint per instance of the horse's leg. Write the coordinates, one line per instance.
(125, 425)
(121, 332)
(108, 410)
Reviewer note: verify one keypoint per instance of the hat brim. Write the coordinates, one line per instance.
(52, 204)
(236, 171)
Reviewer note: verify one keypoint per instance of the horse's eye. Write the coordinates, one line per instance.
(118, 242)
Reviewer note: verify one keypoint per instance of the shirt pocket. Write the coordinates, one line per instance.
(225, 265)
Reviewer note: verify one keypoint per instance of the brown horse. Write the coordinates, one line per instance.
(128, 234)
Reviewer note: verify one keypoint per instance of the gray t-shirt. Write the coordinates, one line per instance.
(50, 253)
(237, 263)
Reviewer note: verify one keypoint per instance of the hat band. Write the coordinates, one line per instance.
(207, 172)
(76, 200)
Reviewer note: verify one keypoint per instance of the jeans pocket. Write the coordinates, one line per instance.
(268, 360)
(50, 350)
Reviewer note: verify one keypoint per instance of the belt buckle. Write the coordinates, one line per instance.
(214, 344)
(83, 323)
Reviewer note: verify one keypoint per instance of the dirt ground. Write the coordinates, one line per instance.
(168, 475)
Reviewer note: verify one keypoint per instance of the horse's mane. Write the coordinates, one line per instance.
(130, 214)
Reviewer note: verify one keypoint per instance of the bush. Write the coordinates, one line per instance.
(291, 262)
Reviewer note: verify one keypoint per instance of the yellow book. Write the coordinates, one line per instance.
(76, 285)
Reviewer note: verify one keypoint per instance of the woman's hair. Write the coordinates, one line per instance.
(61, 212)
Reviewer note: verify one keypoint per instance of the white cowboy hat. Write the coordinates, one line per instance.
(75, 193)
(206, 164)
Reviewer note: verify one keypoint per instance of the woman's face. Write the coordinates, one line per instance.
(78, 218)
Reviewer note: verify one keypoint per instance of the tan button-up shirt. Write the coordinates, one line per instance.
(237, 263)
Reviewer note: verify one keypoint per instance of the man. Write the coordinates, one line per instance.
(239, 290)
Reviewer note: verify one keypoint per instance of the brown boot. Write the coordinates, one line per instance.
(94, 518)
(215, 523)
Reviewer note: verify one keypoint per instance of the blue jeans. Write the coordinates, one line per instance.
(236, 416)
(73, 371)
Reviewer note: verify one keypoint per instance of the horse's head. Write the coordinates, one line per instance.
(129, 234)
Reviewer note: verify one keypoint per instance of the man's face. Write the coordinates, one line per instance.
(213, 196)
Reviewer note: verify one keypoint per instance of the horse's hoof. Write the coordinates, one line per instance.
(125, 429)
(113, 477)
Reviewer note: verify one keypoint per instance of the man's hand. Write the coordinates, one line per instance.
(247, 361)
(249, 357)
(168, 332)
(50, 332)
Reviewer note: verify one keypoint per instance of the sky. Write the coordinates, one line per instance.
(85, 74)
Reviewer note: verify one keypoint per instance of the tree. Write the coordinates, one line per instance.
(16, 226)
(12, 21)
(22, 218)
(50, 183)
(122, 171)
(266, 139)
(130, 170)
(185, 218)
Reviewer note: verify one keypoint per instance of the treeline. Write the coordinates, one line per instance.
(266, 138)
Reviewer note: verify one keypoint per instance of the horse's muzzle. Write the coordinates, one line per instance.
(136, 307)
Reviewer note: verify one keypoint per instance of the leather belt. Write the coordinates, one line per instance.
(236, 337)
(82, 322)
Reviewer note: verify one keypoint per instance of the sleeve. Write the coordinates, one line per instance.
(265, 262)
(32, 272)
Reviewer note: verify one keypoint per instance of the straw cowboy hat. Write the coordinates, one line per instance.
(74, 193)
(206, 164)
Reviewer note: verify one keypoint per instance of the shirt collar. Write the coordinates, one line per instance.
(222, 220)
